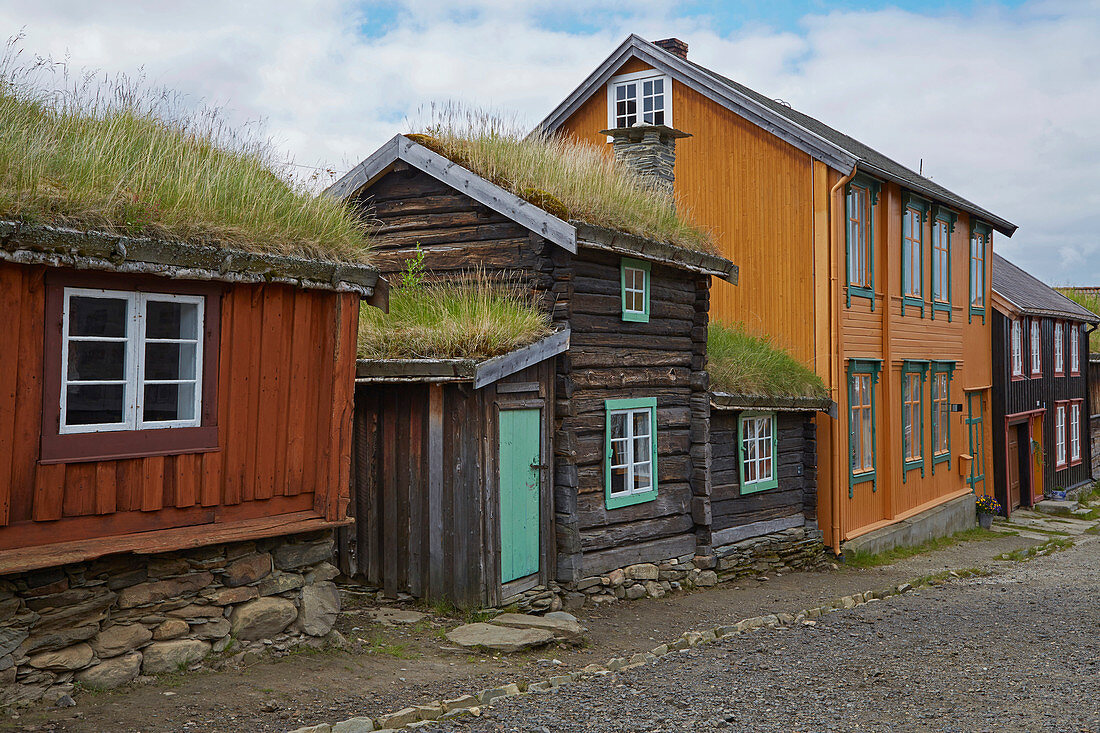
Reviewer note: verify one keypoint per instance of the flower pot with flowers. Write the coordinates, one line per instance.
(987, 507)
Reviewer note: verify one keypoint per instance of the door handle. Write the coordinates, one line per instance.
(539, 465)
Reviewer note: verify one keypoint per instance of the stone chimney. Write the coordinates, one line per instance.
(674, 46)
(650, 150)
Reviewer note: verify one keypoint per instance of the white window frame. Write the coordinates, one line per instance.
(1059, 348)
(1074, 349)
(765, 444)
(629, 482)
(638, 76)
(134, 369)
(1060, 436)
(1017, 348)
(1036, 347)
(1075, 432)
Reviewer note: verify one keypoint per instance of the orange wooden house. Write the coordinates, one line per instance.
(874, 275)
(159, 396)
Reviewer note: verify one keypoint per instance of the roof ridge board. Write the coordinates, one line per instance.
(472, 184)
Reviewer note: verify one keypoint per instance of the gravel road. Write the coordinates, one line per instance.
(1014, 651)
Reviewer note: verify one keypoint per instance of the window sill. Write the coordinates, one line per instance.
(636, 317)
(941, 308)
(941, 458)
(913, 465)
(856, 291)
(617, 502)
(861, 478)
(759, 486)
(912, 302)
(122, 444)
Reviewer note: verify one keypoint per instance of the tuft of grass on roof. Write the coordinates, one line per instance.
(568, 178)
(467, 317)
(742, 363)
(115, 156)
(1090, 301)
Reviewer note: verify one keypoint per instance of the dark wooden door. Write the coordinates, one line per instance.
(1013, 466)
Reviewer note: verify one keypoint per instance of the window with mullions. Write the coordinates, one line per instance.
(1075, 432)
(941, 412)
(862, 377)
(976, 433)
(861, 205)
(641, 97)
(1036, 348)
(759, 443)
(630, 452)
(1074, 332)
(1017, 348)
(1059, 350)
(912, 416)
(942, 227)
(1060, 436)
(912, 254)
(634, 277)
(980, 237)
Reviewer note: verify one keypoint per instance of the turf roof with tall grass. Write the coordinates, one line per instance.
(571, 179)
(465, 317)
(116, 157)
(1089, 301)
(742, 363)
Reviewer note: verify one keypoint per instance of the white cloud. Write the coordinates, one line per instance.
(1001, 105)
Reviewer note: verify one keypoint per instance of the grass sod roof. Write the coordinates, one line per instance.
(119, 161)
(469, 317)
(741, 363)
(570, 179)
(1089, 301)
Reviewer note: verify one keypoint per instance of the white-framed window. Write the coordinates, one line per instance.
(643, 96)
(1059, 348)
(1036, 352)
(631, 451)
(634, 279)
(1075, 432)
(130, 360)
(1017, 349)
(1074, 350)
(1060, 436)
(758, 452)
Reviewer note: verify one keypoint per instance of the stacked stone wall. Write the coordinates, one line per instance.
(105, 622)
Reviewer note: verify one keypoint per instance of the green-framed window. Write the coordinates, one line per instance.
(630, 451)
(943, 224)
(913, 376)
(981, 237)
(942, 372)
(862, 378)
(976, 433)
(862, 200)
(635, 285)
(914, 214)
(758, 443)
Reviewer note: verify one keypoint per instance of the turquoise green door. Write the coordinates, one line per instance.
(519, 493)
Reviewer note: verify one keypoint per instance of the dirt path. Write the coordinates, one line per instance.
(387, 668)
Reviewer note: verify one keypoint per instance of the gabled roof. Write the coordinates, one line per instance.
(566, 234)
(1024, 294)
(815, 138)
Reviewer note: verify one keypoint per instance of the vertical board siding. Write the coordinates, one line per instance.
(277, 382)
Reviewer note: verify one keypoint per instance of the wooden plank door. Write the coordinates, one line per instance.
(1036, 463)
(1013, 466)
(520, 459)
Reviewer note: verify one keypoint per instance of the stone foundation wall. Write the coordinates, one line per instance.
(104, 622)
(799, 548)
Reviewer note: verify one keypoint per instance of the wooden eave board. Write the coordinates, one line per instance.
(610, 240)
(36, 244)
(19, 560)
(727, 401)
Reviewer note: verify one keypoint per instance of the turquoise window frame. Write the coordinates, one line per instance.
(757, 486)
(949, 218)
(913, 366)
(976, 433)
(872, 367)
(610, 407)
(872, 189)
(922, 207)
(986, 232)
(624, 264)
(940, 367)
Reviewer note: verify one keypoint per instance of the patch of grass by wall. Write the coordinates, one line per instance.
(863, 559)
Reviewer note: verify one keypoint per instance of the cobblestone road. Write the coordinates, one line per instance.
(1015, 651)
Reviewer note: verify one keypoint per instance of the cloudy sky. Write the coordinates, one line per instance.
(999, 101)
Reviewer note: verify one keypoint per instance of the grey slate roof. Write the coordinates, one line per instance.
(1031, 296)
(804, 132)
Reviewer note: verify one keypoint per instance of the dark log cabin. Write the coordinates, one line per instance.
(632, 408)
(1040, 389)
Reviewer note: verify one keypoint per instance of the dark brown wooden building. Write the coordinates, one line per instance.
(452, 475)
(631, 403)
(1040, 389)
(156, 396)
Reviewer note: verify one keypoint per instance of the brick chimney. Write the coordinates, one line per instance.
(674, 46)
(650, 150)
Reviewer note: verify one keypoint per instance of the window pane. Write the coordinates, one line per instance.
(618, 452)
(659, 118)
(94, 404)
(91, 316)
(641, 449)
(618, 480)
(618, 425)
(170, 361)
(169, 402)
(641, 476)
(96, 360)
(167, 320)
(641, 423)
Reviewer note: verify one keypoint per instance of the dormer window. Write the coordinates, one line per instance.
(643, 97)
